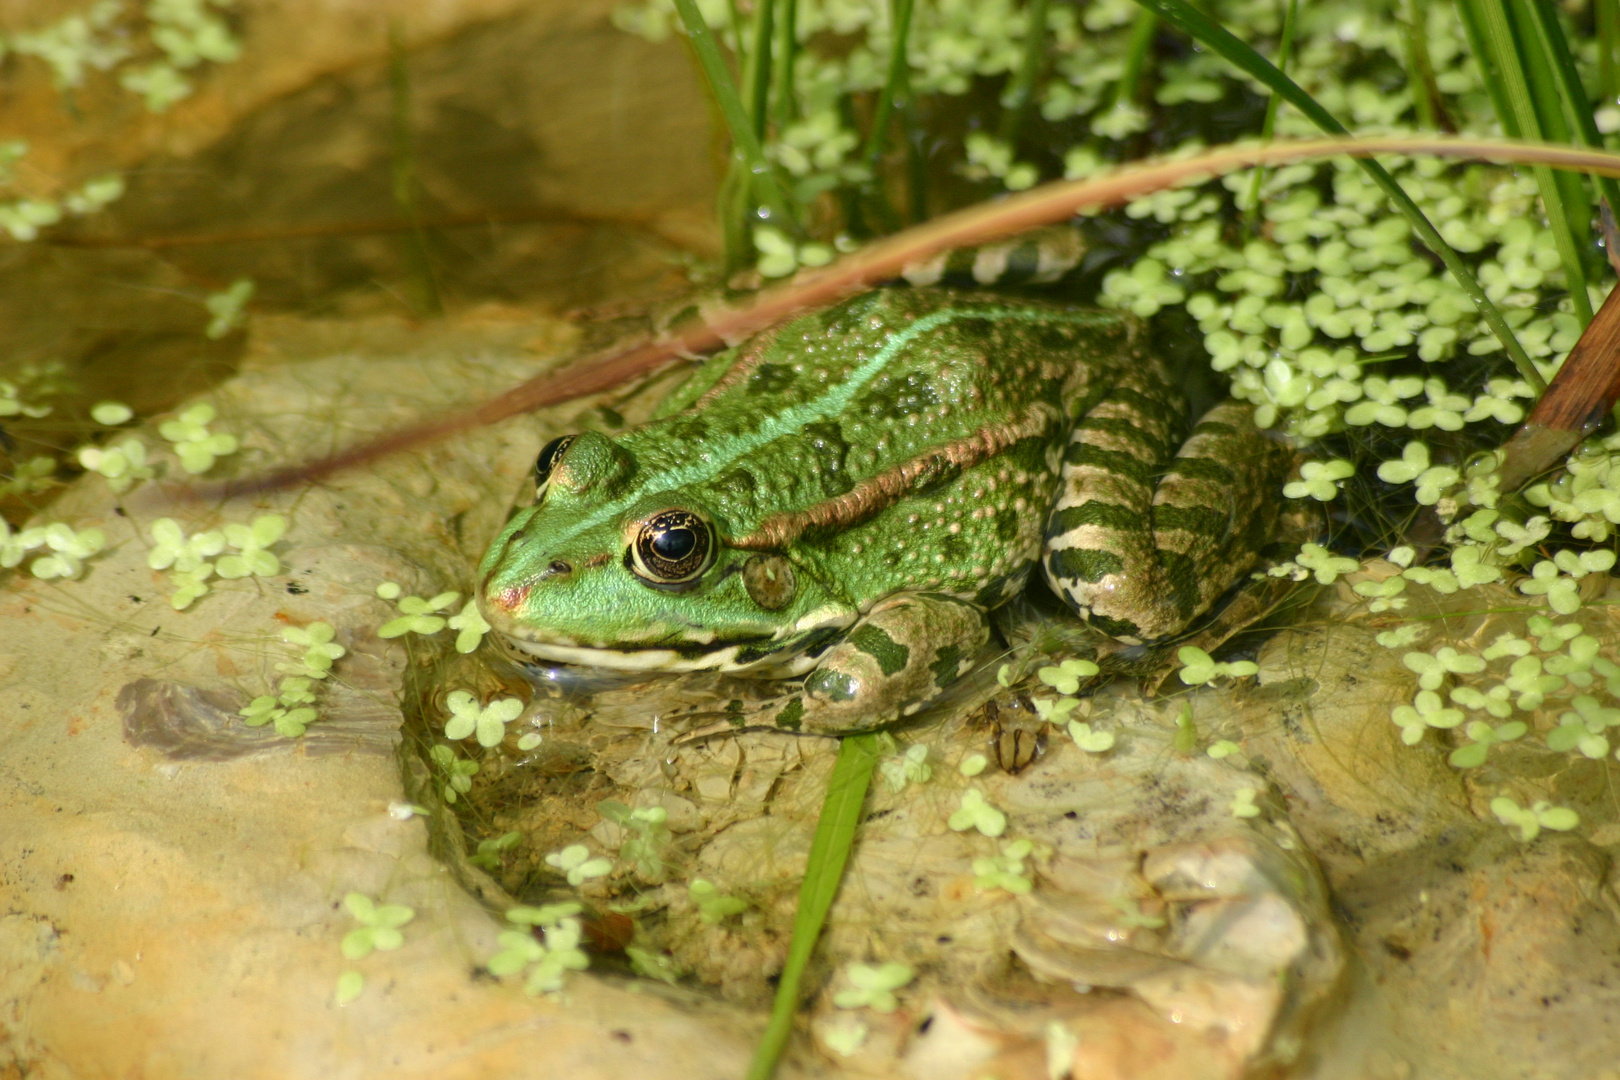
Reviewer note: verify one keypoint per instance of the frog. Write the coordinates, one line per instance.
(841, 502)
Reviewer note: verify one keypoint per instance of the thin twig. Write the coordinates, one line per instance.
(884, 260)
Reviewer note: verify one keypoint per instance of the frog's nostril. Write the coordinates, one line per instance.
(558, 568)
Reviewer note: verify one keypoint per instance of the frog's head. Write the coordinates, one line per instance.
(614, 567)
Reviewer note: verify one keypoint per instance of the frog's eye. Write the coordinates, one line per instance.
(672, 547)
(550, 454)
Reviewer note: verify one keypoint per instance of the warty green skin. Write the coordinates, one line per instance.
(876, 476)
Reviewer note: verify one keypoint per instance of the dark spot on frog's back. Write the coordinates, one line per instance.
(825, 443)
(737, 482)
(1006, 524)
(1083, 564)
(687, 427)
(771, 379)
(830, 685)
(876, 404)
(1055, 337)
(896, 399)
(974, 329)
(917, 393)
(890, 655)
(791, 715)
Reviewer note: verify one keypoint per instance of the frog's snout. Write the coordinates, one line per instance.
(506, 600)
(509, 598)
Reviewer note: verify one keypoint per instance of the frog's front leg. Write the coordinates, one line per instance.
(896, 659)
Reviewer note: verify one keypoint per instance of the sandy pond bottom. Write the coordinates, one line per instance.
(172, 880)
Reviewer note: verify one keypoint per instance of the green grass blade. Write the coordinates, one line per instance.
(1468, 11)
(1606, 13)
(1571, 91)
(762, 179)
(734, 23)
(896, 77)
(758, 77)
(1419, 69)
(1015, 102)
(1569, 100)
(1214, 36)
(1285, 54)
(785, 54)
(1521, 65)
(407, 184)
(1136, 50)
(1509, 65)
(829, 851)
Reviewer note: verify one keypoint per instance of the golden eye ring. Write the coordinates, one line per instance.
(672, 547)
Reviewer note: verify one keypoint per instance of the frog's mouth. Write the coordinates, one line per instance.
(661, 639)
(666, 647)
(736, 658)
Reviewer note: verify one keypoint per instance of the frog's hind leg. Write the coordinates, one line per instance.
(1138, 554)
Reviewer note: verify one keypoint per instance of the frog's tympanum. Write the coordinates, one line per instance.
(845, 497)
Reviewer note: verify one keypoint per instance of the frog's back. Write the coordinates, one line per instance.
(815, 427)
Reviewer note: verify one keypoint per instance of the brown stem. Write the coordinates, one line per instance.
(1578, 401)
(884, 261)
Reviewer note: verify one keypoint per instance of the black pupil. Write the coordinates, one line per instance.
(672, 547)
(674, 544)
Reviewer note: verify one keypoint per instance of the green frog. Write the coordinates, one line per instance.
(843, 499)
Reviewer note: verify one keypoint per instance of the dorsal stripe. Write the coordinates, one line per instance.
(828, 405)
(888, 487)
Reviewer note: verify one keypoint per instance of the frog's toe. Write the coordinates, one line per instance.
(706, 731)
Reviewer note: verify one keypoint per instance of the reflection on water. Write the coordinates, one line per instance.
(528, 160)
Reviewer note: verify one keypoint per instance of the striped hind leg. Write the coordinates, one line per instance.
(1145, 537)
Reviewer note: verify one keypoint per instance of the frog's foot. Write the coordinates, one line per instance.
(1140, 559)
(1249, 602)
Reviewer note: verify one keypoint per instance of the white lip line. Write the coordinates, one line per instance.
(784, 662)
(828, 616)
(663, 659)
(830, 403)
(529, 637)
(531, 641)
(637, 660)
